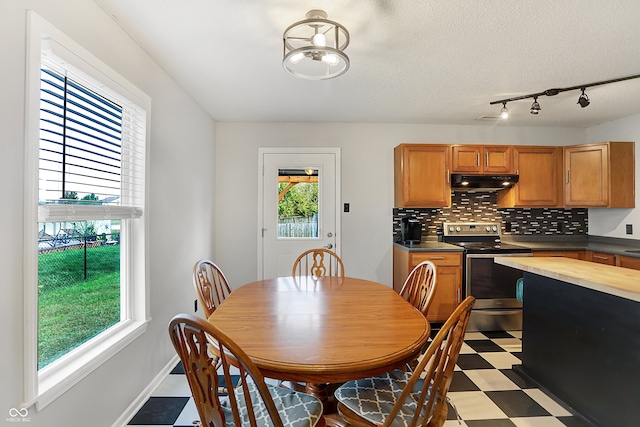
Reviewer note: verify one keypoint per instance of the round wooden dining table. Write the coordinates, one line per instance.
(322, 330)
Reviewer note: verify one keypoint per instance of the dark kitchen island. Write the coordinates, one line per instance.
(581, 335)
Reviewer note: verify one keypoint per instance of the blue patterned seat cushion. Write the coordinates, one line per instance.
(373, 398)
(296, 409)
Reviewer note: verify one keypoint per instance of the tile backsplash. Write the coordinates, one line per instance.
(481, 206)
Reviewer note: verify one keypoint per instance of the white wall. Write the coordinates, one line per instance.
(367, 182)
(182, 155)
(611, 222)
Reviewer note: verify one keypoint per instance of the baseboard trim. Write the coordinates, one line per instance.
(142, 398)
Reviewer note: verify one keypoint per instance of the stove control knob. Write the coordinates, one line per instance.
(488, 228)
(458, 229)
(451, 228)
(495, 228)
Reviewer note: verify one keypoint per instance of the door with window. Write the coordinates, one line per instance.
(299, 203)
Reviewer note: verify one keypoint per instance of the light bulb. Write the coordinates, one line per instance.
(296, 58)
(331, 59)
(504, 112)
(319, 40)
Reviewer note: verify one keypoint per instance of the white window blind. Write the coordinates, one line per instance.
(92, 149)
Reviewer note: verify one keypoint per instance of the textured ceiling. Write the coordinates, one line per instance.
(422, 61)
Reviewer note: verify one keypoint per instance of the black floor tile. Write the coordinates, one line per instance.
(160, 411)
(516, 403)
(497, 334)
(490, 423)
(473, 361)
(572, 422)
(518, 354)
(461, 382)
(484, 346)
(517, 379)
(179, 369)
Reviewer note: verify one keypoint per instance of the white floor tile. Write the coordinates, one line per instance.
(475, 405)
(547, 403)
(501, 360)
(537, 422)
(474, 336)
(173, 386)
(454, 423)
(517, 334)
(465, 349)
(509, 344)
(490, 380)
(189, 415)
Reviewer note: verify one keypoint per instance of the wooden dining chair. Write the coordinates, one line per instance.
(211, 285)
(420, 286)
(318, 262)
(409, 399)
(252, 402)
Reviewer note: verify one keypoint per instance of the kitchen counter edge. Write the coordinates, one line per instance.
(429, 247)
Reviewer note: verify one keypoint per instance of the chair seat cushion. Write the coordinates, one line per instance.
(373, 398)
(296, 409)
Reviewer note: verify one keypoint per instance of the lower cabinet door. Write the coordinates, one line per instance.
(447, 295)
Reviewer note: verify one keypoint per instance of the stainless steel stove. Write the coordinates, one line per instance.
(493, 285)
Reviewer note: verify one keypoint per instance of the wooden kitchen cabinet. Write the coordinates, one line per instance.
(448, 293)
(540, 181)
(600, 175)
(601, 258)
(482, 159)
(422, 175)
(628, 262)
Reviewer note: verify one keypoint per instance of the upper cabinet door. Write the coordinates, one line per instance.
(497, 159)
(600, 175)
(540, 183)
(482, 159)
(422, 175)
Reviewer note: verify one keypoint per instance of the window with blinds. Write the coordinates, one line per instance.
(91, 151)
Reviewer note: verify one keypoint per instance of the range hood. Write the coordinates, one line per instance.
(460, 182)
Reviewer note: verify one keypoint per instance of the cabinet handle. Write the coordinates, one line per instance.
(517, 171)
(448, 177)
(600, 257)
(437, 257)
(567, 176)
(478, 159)
(458, 295)
(487, 157)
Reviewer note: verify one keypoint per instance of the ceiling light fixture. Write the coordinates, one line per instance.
(504, 112)
(583, 100)
(314, 48)
(535, 107)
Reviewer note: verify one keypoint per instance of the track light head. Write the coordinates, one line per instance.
(583, 100)
(504, 112)
(535, 107)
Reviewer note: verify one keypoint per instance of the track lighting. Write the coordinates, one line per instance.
(535, 107)
(583, 100)
(504, 112)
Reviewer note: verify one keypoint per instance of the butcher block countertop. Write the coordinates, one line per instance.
(622, 282)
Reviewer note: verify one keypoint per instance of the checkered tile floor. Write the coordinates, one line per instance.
(485, 391)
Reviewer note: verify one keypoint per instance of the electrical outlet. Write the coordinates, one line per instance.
(629, 228)
(346, 207)
(195, 305)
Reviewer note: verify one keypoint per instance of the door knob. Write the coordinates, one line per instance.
(329, 246)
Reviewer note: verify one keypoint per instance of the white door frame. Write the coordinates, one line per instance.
(295, 150)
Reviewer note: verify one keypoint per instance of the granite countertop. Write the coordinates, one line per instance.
(610, 245)
(622, 282)
(429, 246)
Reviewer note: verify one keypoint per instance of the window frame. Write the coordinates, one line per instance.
(44, 386)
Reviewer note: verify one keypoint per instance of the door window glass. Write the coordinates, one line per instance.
(298, 203)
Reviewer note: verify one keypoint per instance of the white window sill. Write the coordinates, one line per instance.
(64, 373)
